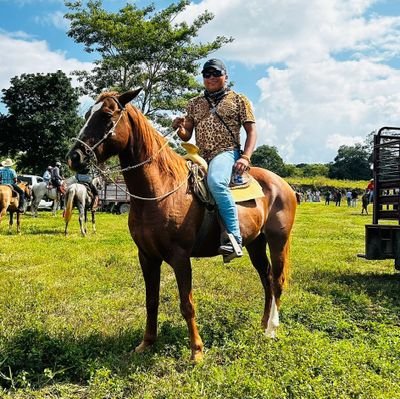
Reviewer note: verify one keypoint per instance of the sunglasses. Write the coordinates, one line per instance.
(215, 74)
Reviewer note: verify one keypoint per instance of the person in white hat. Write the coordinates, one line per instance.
(9, 176)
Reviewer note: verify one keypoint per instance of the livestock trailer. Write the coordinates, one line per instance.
(114, 196)
(382, 237)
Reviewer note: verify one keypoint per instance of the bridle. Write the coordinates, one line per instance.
(89, 151)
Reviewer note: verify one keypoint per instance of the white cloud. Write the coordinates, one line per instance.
(33, 56)
(331, 87)
(316, 107)
(269, 31)
(55, 19)
(336, 140)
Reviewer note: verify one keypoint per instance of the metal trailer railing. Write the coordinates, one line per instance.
(382, 241)
(114, 197)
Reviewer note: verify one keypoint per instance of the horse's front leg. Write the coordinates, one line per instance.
(2, 213)
(18, 223)
(55, 206)
(151, 269)
(34, 208)
(11, 222)
(183, 273)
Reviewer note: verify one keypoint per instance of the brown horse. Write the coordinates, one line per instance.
(10, 203)
(165, 218)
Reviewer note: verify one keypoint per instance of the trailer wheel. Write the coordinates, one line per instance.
(124, 208)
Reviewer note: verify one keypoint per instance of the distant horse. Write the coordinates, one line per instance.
(77, 194)
(40, 190)
(165, 218)
(10, 203)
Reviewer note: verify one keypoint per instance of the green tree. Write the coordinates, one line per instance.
(41, 121)
(142, 48)
(313, 169)
(267, 157)
(352, 163)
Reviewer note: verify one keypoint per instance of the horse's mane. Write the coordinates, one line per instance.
(148, 141)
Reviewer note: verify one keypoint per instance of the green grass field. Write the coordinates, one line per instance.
(72, 311)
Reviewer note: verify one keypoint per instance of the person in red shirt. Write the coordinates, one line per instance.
(370, 189)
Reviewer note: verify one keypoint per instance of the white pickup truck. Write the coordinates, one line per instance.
(31, 180)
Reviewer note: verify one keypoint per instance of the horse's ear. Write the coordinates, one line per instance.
(128, 96)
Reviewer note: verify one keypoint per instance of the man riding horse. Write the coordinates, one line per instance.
(218, 138)
(8, 176)
(56, 178)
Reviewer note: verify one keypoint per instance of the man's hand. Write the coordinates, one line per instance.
(241, 165)
(178, 122)
(184, 128)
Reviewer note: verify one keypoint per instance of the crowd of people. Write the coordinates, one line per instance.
(336, 195)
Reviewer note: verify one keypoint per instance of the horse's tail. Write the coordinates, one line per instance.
(69, 203)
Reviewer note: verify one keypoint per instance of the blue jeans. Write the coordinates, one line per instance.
(218, 179)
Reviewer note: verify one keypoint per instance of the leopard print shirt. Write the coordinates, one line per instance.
(212, 137)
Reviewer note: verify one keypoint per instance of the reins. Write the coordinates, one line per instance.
(106, 174)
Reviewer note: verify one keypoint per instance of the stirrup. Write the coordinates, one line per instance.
(231, 250)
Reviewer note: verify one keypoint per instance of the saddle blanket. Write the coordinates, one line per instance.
(252, 191)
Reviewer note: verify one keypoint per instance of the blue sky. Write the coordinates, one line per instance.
(320, 73)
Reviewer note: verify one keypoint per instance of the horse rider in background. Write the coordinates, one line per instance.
(8, 176)
(56, 178)
(218, 138)
(47, 175)
(86, 178)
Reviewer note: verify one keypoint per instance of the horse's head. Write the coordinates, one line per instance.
(105, 133)
(26, 189)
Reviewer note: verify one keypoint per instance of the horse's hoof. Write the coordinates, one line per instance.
(143, 346)
(197, 356)
(270, 332)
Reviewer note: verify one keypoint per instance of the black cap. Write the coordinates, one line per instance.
(214, 64)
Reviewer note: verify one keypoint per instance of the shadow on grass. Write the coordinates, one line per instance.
(33, 357)
(53, 232)
(383, 290)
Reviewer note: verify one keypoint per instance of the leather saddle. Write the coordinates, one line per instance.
(247, 190)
